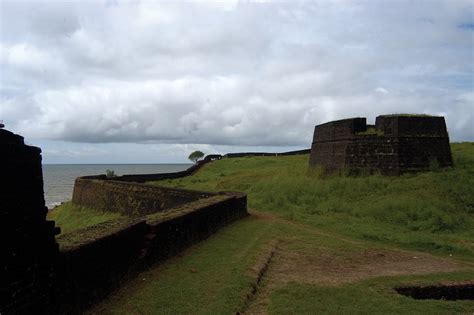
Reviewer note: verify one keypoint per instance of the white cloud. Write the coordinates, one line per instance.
(229, 73)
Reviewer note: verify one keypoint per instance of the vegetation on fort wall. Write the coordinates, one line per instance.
(70, 217)
(431, 211)
(213, 277)
(371, 131)
(407, 115)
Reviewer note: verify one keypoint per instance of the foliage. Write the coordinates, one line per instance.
(330, 216)
(366, 297)
(408, 115)
(371, 131)
(216, 276)
(110, 173)
(70, 217)
(211, 279)
(434, 164)
(82, 236)
(195, 156)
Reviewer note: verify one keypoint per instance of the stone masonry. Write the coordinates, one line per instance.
(27, 240)
(396, 144)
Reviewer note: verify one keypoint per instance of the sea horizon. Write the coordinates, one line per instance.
(117, 163)
(59, 178)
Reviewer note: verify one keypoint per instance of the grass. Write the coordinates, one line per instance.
(214, 277)
(70, 217)
(162, 216)
(326, 227)
(371, 131)
(431, 211)
(408, 115)
(375, 296)
(87, 235)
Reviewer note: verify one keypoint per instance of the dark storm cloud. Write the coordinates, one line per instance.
(229, 73)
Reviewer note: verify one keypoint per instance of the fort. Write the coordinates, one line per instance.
(396, 144)
(27, 239)
(44, 274)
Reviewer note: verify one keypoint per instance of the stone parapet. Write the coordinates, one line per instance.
(394, 145)
(130, 198)
(27, 239)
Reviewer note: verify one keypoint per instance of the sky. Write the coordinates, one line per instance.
(151, 81)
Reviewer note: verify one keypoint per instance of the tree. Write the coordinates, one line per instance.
(195, 156)
(110, 173)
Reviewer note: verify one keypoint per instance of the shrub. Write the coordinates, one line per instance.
(434, 164)
(110, 173)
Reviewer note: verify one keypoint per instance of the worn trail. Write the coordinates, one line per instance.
(333, 267)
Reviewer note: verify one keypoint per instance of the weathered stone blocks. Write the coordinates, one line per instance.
(27, 240)
(394, 145)
(130, 198)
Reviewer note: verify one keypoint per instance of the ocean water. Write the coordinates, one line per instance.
(59, 178)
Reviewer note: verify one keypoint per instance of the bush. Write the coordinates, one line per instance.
(434, 164)
(110, 173)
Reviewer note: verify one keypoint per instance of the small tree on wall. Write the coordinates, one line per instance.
(110, 173)
(195, 156)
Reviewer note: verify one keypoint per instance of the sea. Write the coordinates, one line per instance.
(59, 178)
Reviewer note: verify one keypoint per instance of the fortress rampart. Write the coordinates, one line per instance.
(396, 144)
(27, 240)
(131, 198)
(94, 260)
(44, 274)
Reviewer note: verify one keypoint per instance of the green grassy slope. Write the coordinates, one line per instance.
(213, 277)
(338, 243)
(432, 211)
(375, 296)
(70, 217)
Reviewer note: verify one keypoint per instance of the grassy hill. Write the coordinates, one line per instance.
(314, 244)
(432, 211)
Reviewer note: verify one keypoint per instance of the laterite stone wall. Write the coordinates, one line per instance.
(43, 275)
(396, 144)
(27, 239)
(177, 228)
(130, 198)
(95, 260)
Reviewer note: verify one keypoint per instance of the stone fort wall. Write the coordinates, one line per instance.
(131, 198)
(128, 195)
(27, 240)
(44, 274)
(142, 178)
(105, 255)
(394, 145)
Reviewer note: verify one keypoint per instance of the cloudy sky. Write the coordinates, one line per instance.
(150, 81)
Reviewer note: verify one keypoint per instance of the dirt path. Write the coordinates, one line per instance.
(275, 218)
(333, 267)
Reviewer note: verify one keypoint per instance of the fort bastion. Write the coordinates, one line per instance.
(396, 144)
